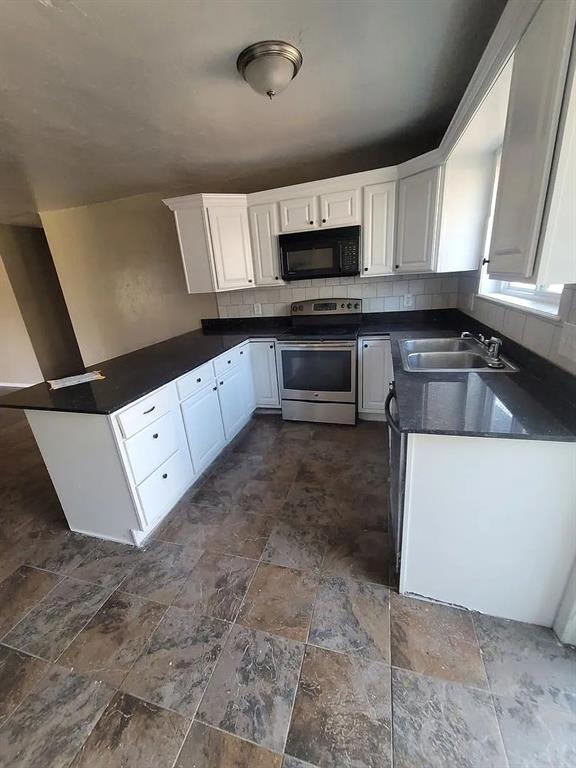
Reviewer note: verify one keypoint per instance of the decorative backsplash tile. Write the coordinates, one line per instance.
(379, 294)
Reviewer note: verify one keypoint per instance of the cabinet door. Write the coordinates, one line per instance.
(298, 214)
(377, 373)
(232, 404)
(538, 79)
(231, 246)
(378, 229)
(246, 382)
(339, 209)
(417, 221)
(204, 428)
(263, 354)
(264, 233)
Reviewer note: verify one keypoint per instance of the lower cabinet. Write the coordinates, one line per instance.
(263, 354)
(204, 427)
(232, 402)
(375, 373)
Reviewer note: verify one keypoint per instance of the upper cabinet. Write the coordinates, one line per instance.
(538, 82)
(418, 203)
(299, 214)
(264, 234)
(328, 209)
(214, 241)
(378, 229)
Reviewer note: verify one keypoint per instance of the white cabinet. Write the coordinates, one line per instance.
(214, 238)
(299, 214)
(204, 427)
(264, 229)
(232, 405)
(378, 229)
(376, 373)
(418, 199)
(230, 246)
(246, 393)
(340, 209)
(538, 80)
(263, 354)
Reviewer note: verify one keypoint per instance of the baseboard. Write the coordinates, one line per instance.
(363, 416)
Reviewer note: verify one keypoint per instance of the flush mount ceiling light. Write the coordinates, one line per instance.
(269, 66)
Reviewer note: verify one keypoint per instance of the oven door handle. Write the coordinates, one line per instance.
(390, 420)
(351, 345)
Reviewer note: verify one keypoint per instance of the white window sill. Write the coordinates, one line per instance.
(541, 308)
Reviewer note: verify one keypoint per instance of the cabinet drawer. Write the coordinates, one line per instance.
(228, 360)
(152, 446)
(159, 492)
(195, 380)
(138, 416)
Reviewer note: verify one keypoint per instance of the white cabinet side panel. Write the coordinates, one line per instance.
(490, 524)
(80, 454)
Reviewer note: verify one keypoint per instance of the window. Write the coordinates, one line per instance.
(538, 298)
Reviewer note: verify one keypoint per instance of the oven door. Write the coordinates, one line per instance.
(323, 371)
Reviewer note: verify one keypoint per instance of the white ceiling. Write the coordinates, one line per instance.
(101, 99)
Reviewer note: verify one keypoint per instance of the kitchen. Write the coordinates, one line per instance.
(390, 363)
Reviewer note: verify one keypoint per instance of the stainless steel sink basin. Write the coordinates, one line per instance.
(439, 345)
(448, 355)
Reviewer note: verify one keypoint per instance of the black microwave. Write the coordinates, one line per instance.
(320, 253)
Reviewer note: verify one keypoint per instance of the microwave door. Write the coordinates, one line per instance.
(309, 260)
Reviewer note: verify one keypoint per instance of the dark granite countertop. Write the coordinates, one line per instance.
(493, 404)
(537, 402)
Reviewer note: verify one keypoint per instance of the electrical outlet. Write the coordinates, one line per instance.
(408, 301)
(257, 309)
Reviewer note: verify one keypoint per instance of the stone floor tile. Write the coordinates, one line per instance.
(252, 689)
(342, 713)
(175, 667)
(439, 724)
(161, 571)
(280, 601)
(435, 640)
(217, 585)
(360, 553)
(296, 546)
(19, 673)
(20, 592)
(113, 638)
(242, 534)
(293, 762)
(352, 617)
(262, 497)
(191, 523)
(206, 747)
(52, 625)
(62, 552)
(108, 564)
(51, 725)
(133, 734)
(527, 662)
(536, 736)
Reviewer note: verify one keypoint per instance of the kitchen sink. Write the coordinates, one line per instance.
(448, 355)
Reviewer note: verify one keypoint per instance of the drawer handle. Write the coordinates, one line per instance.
(198, 381)
(165, 475)
(149, 410)
(241, 352)
(155, 436)
(229, 361)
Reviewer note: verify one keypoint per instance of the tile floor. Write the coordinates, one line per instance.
(259, 628)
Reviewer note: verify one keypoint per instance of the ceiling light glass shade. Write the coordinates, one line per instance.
(268, 67)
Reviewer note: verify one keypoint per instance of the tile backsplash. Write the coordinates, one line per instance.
(379, 294)
(549, 337)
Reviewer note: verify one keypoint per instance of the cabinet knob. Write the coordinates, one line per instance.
(365, 269)
(276, 278)
(311, 222)
(221, 383)
(241, 351)
(198, 380)
(229, 361)
(249, 280)
(165, 475)
(396, 266)
(365, 346)
(214, 389)
(323, 221)
(271, 346)
(155, 436)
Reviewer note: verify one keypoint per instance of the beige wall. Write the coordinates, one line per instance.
(18, 364)
(121, 273)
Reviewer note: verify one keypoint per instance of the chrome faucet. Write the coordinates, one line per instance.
(493, 345)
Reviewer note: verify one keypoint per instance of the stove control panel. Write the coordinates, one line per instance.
(344, 306)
